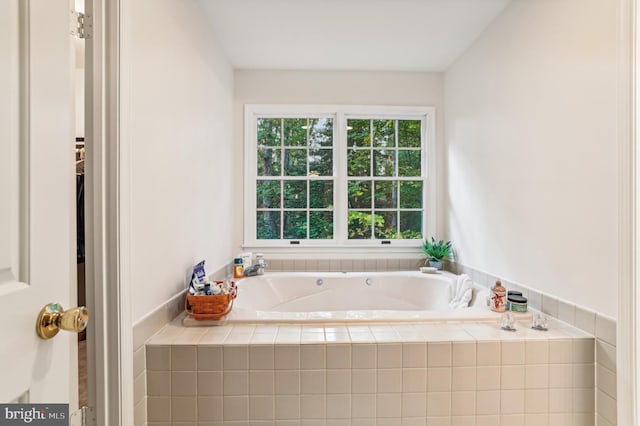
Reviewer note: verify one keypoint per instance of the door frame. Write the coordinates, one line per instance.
(628, 328)
(110, 354)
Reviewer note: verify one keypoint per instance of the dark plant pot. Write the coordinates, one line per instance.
(436, 264)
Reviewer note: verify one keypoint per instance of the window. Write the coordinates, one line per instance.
(337, 176)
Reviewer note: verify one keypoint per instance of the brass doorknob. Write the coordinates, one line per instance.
(53, 317)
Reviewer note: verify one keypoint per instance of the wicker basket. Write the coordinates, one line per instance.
(210, 307)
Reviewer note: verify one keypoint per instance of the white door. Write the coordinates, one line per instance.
(37, 206)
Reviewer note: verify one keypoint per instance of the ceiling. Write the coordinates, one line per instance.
(416, 35)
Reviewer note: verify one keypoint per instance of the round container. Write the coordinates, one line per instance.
(517, 303)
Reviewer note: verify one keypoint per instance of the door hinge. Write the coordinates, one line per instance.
(85, 416)
(81, 25)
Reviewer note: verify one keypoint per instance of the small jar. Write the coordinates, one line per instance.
(238, 268)
(517, 303)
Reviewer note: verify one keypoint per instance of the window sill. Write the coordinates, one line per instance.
(328, 252)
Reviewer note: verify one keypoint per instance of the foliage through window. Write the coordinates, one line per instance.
(336, 177)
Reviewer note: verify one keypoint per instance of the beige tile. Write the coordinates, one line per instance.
(585, 320)
(583, 400)
(587, 419)
(183, 383)
(463, 379)
(606, 355)
(487, 403)
(536, 401)
(560, 376)
(158, 358)
(439, 379)
(488, 353)
(463, 403)
(363, 406)
(388, 405)
(414, 355)
(184, 409)
(537, 351)
(287, 357)
(312, 357)
(338, 381)
(583, 375)
(414, 380)
(389, 380)
(139, 388)
(414, 404)
(512, 401)
(209, 383)
(210, 409)
(584, 351)
(338, 406)
(560, 400)
(363, 356)
(235, 408)
(235, 382)
(235, 357)
(261, 357)
(606, 329)
(158, 409)
(606, 407)
(439, 354)
(438, 404)
(312, 381)
(566, 312)
(363, 381)
(139, 361)
(183, 358)
(560, 351)
(488, 378)
(261, 382)
(512, 377)
(438, 421)
(287, 382)
(536, 376)
(463, 354)
(312, 406)
(209, 358)
(562, 419)
(512, 352)
(490, 420)
(606, 380)
(338, 356)
(463, 420)
(140, 413)
(389, 355)
(158, 383)
(261, 407)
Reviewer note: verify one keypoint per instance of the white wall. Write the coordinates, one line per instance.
(532, 152)
(328, 87)
(177, 102)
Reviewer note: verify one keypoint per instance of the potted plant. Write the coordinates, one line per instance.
(436, 251)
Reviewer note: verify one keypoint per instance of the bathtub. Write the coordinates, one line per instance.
(352, 297)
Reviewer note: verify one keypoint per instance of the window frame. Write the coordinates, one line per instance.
(340, 115)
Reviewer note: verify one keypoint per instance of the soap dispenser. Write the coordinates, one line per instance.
(498, 297)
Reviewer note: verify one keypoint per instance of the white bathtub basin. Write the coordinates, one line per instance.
(352, 297)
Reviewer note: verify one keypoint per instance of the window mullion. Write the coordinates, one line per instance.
(340, 153)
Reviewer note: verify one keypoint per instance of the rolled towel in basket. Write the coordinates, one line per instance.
(461, 292)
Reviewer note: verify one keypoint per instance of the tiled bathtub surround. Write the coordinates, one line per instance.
(411, 374)
(602, 327)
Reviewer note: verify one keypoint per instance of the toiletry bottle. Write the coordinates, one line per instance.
(238, 268)
(498, 297)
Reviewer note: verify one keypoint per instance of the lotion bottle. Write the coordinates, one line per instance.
(498, 297)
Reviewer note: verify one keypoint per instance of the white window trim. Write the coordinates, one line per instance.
(339, 112)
